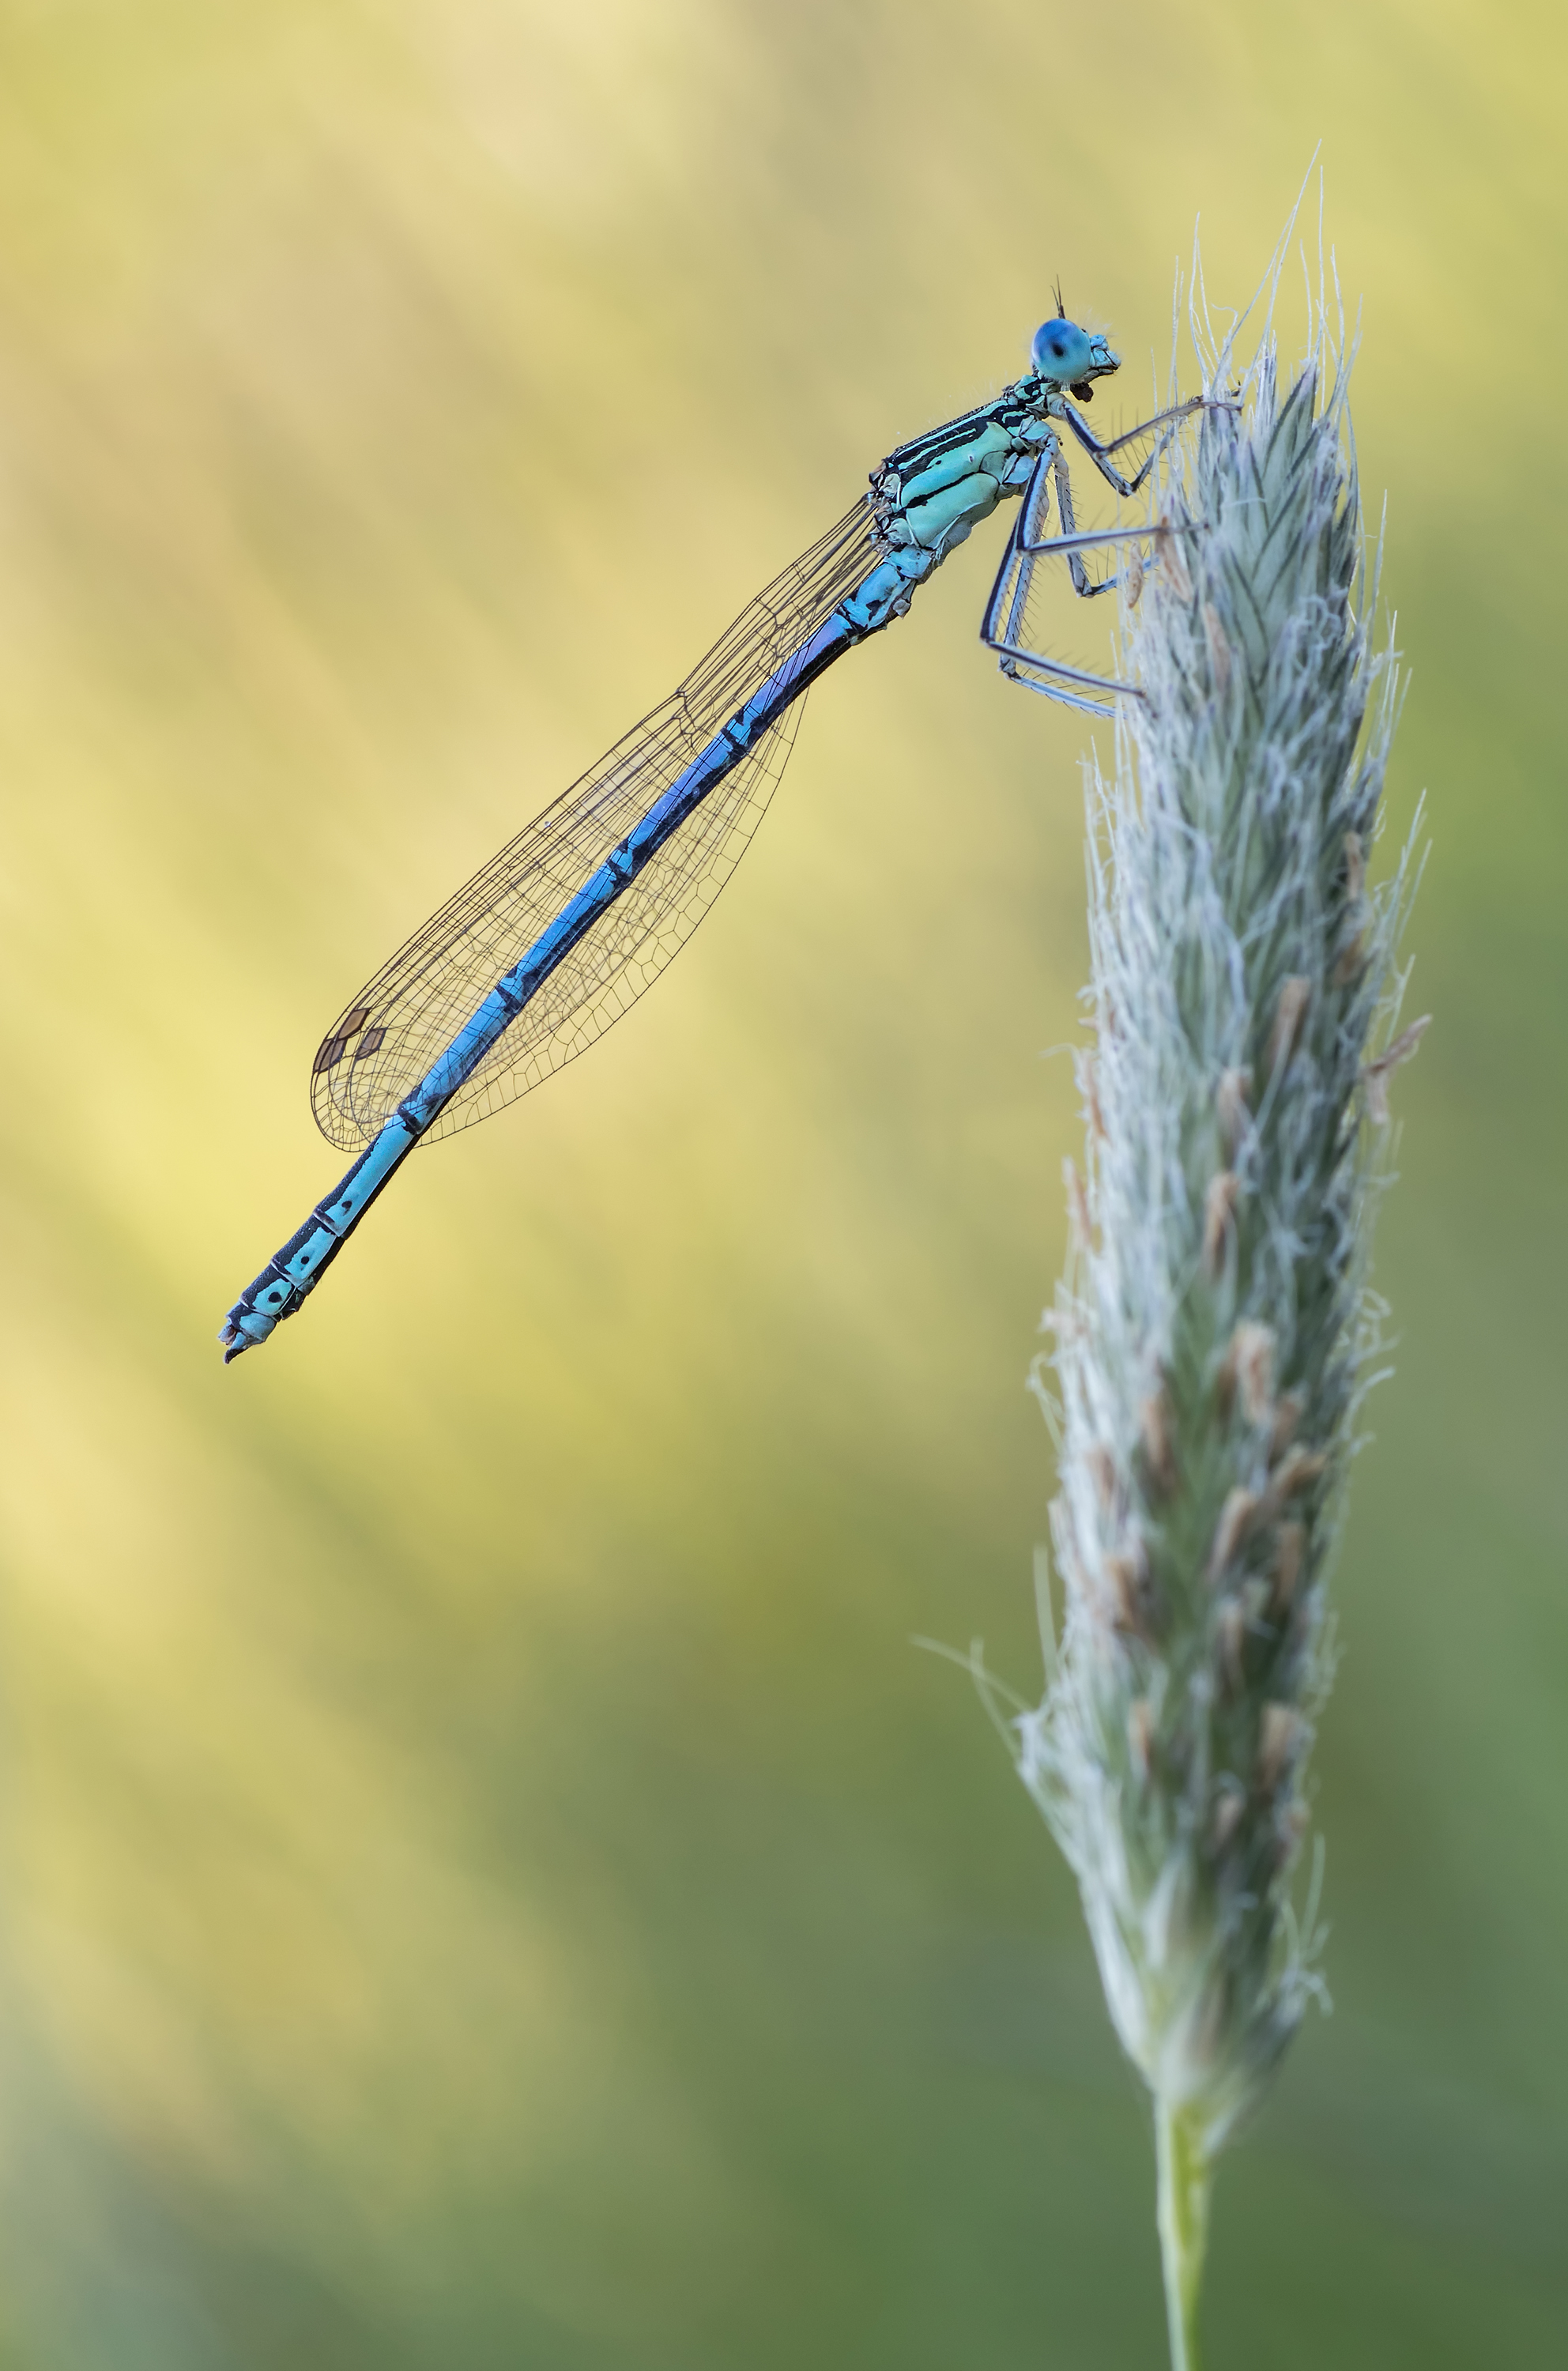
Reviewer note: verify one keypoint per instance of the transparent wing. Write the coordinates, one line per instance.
(381, 1045)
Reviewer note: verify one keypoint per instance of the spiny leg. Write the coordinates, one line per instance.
(1084, 584)
(1032, 513)
(1100, 454)
(1066, 547)
(1003, 618)
(1011, 656)
(1054, 692)
(1004, 611)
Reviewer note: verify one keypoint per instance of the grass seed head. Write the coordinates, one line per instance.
(1211, 1331)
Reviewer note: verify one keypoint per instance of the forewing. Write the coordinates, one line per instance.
(601, 976)
(384, 1043)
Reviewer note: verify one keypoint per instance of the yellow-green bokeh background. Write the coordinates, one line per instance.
(487, 1880)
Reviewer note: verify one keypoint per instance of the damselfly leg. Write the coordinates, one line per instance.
(1100, 454)
(1033, 559)
(1005, 623)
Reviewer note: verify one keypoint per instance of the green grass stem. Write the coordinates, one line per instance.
(1185, 2176)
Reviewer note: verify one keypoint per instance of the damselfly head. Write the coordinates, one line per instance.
(1072, 356)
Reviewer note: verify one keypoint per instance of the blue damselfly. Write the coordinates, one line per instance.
(550, 943)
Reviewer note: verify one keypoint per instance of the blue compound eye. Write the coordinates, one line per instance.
(1061, 351)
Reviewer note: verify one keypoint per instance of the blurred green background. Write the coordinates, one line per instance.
(488, 1880)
